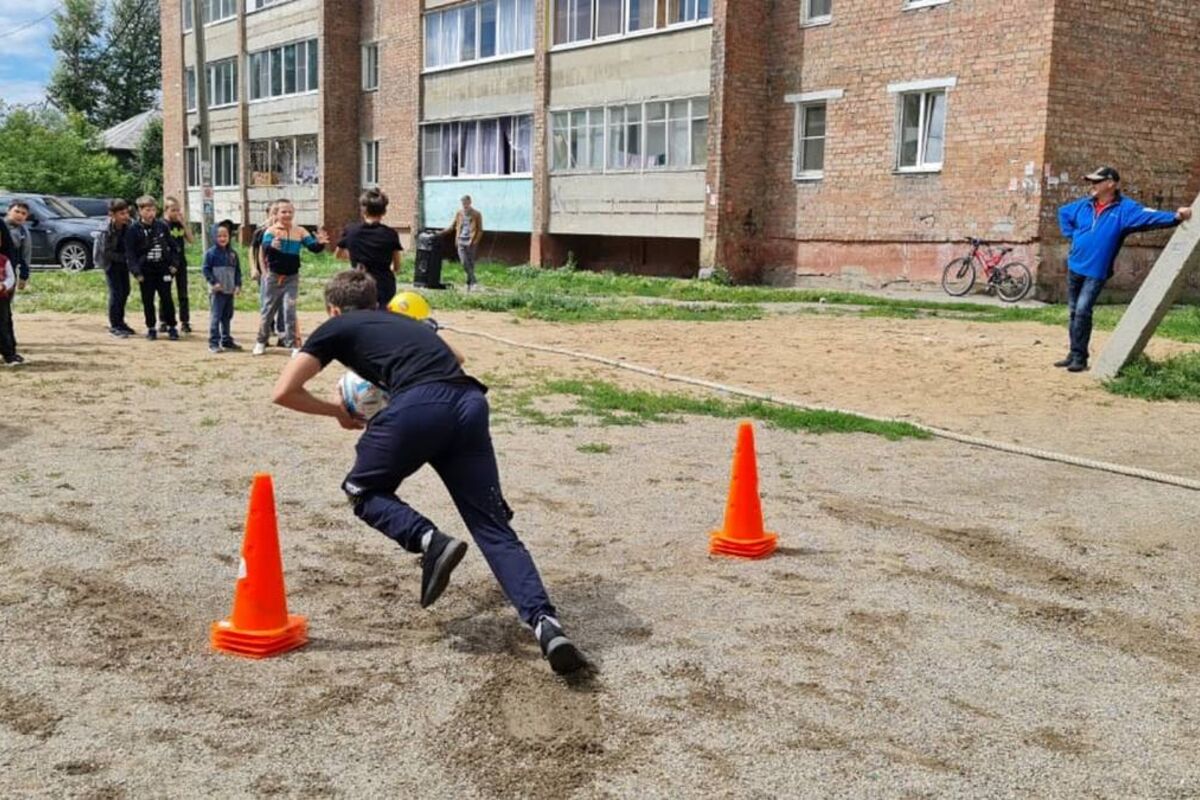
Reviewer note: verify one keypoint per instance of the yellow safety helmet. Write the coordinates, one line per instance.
(410, 304)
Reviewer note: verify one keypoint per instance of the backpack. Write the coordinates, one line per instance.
(100, 247)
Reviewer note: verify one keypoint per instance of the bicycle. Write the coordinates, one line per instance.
(1011, 281)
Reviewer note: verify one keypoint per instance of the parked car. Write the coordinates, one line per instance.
(91, 206)
(61, 233)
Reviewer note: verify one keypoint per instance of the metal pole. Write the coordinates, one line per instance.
(205, 154)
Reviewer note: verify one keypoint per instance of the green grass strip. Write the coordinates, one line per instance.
(1175, 378)
(617, 406)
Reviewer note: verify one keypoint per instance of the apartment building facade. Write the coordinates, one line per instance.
(854, 139)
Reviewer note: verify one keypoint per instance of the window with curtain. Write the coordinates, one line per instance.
(683, 11)
(477, 148)
(478, 30)
(638, 136)
(281, 71)
(641, 14)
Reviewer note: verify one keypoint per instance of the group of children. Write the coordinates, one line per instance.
(153, 251)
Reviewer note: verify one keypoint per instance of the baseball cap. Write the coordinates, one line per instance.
(1104, 174)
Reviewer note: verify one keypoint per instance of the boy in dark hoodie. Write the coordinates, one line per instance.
(149, 252)
(181, 237)
(223, 272)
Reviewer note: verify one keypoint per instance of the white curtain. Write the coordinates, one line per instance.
(469, 149)
(489, 147)
(524, 26)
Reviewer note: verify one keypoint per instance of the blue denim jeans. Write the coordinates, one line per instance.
(1082, 293)
(444, 425)
(220, 316)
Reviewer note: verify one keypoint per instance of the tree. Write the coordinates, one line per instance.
(148, 161)
(48, 151)
(131, 62)
(75, 83)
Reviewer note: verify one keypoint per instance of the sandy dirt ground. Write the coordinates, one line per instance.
(940, 621)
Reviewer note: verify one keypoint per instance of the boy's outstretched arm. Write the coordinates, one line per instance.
(289, 392)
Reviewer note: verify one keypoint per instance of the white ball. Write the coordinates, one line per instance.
(360, 396)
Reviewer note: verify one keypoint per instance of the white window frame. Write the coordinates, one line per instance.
(211, 84)
(370, 67)
(191, 167)
(301, 66)
(514, 121)
(625, 31)
(802, 101)
(263, 5)
(234, 166)
(370, 163)
(271, 143)
(426, 67)
(912, 5)
(923, 88)
(801, 136)
(810, 20)
(697, 20)
(189, 88)
(690, 164)
(188, 24)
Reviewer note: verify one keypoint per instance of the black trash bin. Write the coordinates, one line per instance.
(427, 273)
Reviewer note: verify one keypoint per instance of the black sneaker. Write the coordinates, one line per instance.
(563, 655)
(17, 358)
(12, 362)
(231, 345)
(120, 333)
(128, 330)
(186, 327)
(1077, 365)
(438, 561)
(1066, 362)
(173, 334)
(152, 334)
(162, 327)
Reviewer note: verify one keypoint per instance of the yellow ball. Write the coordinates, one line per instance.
(410, 304)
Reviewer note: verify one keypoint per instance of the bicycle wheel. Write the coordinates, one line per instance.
(1013, 281)
(958, 277)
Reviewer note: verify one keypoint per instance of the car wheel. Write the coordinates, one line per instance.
(74, 256)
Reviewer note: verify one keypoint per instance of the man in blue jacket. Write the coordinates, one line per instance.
(1097, 226)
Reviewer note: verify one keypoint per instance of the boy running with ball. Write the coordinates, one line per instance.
(436, 415)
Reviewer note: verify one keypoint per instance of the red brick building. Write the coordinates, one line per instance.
(854, 140)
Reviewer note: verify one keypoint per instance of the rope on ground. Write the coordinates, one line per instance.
(941, 433)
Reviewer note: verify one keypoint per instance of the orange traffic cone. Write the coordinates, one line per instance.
(260, 625)
(743, 533)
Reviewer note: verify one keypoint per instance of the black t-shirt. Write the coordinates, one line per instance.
(390, 350)
(371, 244)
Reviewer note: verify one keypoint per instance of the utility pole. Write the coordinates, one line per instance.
(201, 130)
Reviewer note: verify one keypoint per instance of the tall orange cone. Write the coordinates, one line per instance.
(743, 533)
(260, 625)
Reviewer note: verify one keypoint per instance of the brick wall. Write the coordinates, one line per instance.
(863, 219)
(175, 134)
(341, 90)
(735, 204)
(1124, 92)
(393, 113)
